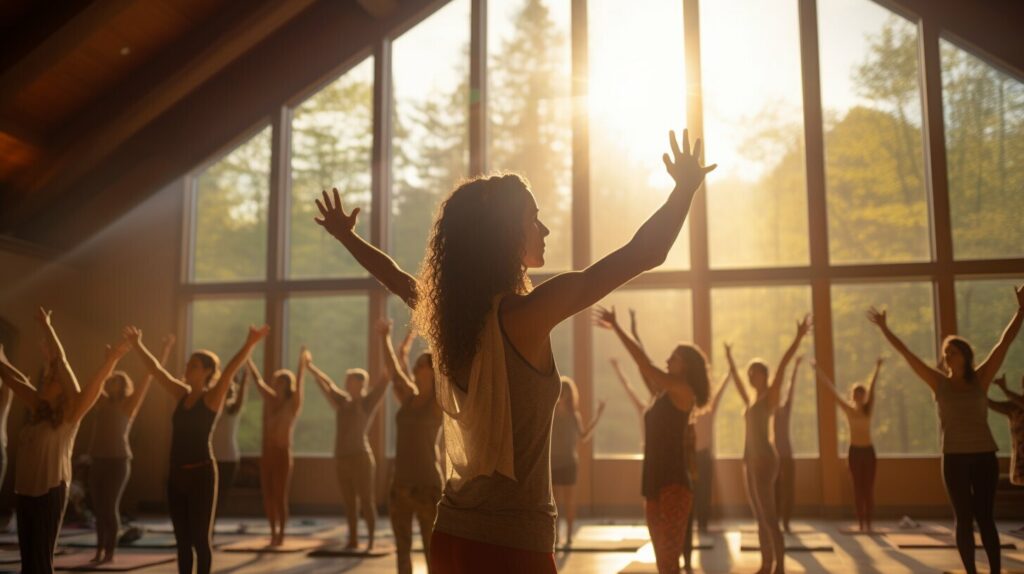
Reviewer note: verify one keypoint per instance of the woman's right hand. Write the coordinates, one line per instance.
(256, 334)
(685, 167)
(878, 318)
(333, 217)
(133, 334)
(605, 318)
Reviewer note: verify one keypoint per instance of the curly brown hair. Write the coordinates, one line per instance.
(475, 253)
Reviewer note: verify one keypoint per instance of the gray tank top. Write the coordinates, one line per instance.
(496, 509)
(963, 419)
(110, 439)
(565, 436)
(416, 455)
(758, 443)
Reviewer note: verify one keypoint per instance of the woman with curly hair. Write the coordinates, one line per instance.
(490, 332)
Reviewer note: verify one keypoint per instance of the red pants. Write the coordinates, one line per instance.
(455, 555)
(667, 516)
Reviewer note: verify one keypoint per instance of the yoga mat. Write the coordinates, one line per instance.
(339, 551)
(262, 545)
(148, 540)
(927, 541)
(808, 542)
(254, 528)
(11, 538)
(166, 527)
(608, 538)
(793, 529)
(123, 561)
(852, 530)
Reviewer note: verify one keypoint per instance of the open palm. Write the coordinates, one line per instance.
(333, 217)
(685, 167)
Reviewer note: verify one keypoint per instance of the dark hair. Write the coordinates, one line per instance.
(210, 361)
(475, 253)
(965, 349)
(696, 372)
(292, 383)
(759, 365)
(429, 357)
(129, 386)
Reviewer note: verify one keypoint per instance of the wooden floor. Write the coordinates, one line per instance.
(849, 553)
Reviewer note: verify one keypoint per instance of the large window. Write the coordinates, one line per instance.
(602, 82)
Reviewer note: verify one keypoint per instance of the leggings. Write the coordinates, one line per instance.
(971, 481)
(107, 480)
(667, 516)
(450, 554)
(761, 473)
(406, 502)
(862, 462)
(703, 489)
(39, 520)
(355, 478)
(192, 496)
(226, 472)
(785, 490)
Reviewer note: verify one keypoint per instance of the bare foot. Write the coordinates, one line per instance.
(97, 558)
(352, 544)
(108, 559)
(369, 545)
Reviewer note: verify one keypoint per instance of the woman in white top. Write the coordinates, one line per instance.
(225, 438)
(861, 456)
(43, 469)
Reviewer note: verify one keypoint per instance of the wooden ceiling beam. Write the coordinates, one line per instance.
(58, 45)
(116, 121)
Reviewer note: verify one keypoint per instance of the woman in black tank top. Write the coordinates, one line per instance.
(192, 480)
(677, 389)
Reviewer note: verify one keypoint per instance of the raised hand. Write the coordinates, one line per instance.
(383, 326)
(1000, 382)
(333, 217)
(879, 361)
(1019, 290)
(685, 167)
(614, 361)
(804, 325)
(605, 318)
(728, 349)
(600, 408)
(120, 349)
(43, 316)
(256, 334)
(878, 318)
(305, 356)
(133, 335)
(168, 341)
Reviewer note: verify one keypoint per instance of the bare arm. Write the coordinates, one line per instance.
(373, 398)
(85, 400)
(735, 375)
(16, 382)
(988, 369)
(775, 390)
(300, 375)
(569, 293)
(174, 386)
(403, 351)
(65, 375)
(926, 373)
(334, 395)
(634, 329)
(214, 398)
(403, 387)
(869, 402)
(634, 398)
(342, 225)
(1001, 407)
(792, 384)
(831, 388)
(266, 392)
(717, 399)
(132, 403)
(587, 432)
(235, 406)
(1015, 398)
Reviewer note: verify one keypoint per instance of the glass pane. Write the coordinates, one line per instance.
(904, 420)
(874, 159)
(760, 322)
(529, 79)
(621, 430)
(332, 146)
(221, 325)
(334, 328)
(757, 198)
(637, 94)
(983, 308)
(984, 119)
(430, 123)
(229, 232)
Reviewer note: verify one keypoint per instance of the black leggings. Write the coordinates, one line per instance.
(702, 488)
(971, 481)
(107, 480)
(39, 519)
(226, 472)
(192, 495)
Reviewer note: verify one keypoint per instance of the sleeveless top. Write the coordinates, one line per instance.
(495, 508)
(781, 426)
(757, 442)
(665, 447)
(860, 427)
(565, 436)
(963, 419)
(279, 423)
(225, 441)
(44, 457)
(352, 422)
(190, 434)
(110, 438)
(417, 460)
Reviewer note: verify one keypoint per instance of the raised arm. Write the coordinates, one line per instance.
(869, 402)
(174, 386)
(334, 395)
(64, 375)
(716, 399)
(930, 375)
(85, 400)
(735, 375)
(265, 390)
(214, 397)
(635, 329)
(238, 401)
(634, 398)
(1014, 397)
(656, 379)
(131, 405)
(373, 398)
(16, 382)
(991, 365)
(400, 380)
(827, 383)
(792, 384)
(300, 375)
(775, 390)
(403, 351)
(342, 226)
(569, 293)
(586, 432)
